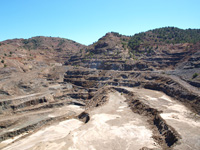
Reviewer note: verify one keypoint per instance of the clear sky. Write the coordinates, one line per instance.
(85, 21)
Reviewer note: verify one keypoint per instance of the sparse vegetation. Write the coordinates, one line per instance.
(25, 41)
(116, 34)
(195, 75)
(62, 41)
(32, 43)
(124, 45)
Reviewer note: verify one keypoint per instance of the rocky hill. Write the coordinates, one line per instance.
(23, 61)
(55, 92)
(40, 49)
(163, 49)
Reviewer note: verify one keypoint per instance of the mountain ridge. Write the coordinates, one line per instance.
(166, 48)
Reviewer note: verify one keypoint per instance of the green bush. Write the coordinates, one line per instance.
(194, 75)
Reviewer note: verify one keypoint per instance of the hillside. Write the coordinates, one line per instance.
(155, 50)
(19, 53)
(140, 91)
(168, 35)
(168, 50)
(24, 63)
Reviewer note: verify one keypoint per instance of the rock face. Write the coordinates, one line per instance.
(45, 80)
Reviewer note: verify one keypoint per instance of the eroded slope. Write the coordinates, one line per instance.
(55, 93)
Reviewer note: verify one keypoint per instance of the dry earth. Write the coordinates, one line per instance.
(115, 126)
(59, 94)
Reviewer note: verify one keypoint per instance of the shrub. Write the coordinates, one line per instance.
(194, 75)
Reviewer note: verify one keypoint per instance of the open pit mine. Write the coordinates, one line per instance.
(120, 93)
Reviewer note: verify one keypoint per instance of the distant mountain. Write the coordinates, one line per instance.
(41, 42)
(51, 43)
(18, 53)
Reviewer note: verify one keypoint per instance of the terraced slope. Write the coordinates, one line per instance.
(121, 92)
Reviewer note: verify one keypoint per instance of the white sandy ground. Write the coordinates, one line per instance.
(112, 126)
(55, 113)
(186, 123)
(48, 134)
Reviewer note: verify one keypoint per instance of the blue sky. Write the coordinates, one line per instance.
(85, 21)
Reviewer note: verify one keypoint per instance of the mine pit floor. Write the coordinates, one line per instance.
(115, 126)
